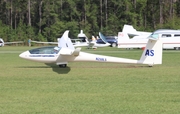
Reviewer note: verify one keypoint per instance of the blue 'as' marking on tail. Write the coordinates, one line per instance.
(149, 52)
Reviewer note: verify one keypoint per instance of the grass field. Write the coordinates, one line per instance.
(89, 88)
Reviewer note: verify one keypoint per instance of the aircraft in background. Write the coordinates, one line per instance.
(65, 52)
(129, 29)
(94, 44)
(83, 41)
(170, 39)
(2, 43)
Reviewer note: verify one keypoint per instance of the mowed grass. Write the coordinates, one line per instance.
(89, 88)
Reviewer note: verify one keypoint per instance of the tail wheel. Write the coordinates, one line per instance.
(150, 65)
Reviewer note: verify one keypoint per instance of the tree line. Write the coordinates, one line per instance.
(46, 20)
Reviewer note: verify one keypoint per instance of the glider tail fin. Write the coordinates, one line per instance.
(65, 41)
(153, 51)
(128, 29)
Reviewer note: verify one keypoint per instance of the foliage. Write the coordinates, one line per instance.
(52, 18)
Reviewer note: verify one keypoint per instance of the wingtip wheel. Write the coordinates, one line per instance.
(63, 65)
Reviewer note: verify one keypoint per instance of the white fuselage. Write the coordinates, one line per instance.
(61, 59)
(169, 38)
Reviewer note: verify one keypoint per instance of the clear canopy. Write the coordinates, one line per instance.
(45, 50)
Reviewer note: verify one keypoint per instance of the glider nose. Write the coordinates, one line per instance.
(24, 55)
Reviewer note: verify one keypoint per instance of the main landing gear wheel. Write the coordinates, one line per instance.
(177, 48)
(63, 65)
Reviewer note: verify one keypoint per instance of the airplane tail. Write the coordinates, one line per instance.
(83, 36)
(153, 51)
(65, 41)
(128, 29)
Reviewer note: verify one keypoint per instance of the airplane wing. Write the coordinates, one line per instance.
(39, 42)
(2, 43)
(13, 42)
(102, 37)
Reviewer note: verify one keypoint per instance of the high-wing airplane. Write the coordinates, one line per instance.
(129, 29)
(65, 52)
(2, 43)
(170, 39)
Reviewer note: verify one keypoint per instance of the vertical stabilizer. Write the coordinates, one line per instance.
(128, 29)
(83, 36)
(153, 51)
(65, 41)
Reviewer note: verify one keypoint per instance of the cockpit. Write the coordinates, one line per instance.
(45, 50)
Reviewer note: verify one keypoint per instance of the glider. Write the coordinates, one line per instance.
(65, 52)
(170, 39)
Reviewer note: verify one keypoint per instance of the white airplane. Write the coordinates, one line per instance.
(2, 43)
(65, 52)
(82, 41)
(90, 44)
(93, 43)
(170, 39)
(129, 29)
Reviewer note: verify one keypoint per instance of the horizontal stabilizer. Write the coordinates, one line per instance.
(76, 51)
(66, 51)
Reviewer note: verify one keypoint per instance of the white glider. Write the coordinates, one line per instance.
(94, 43)
(65, 52)
(129, 29)
(170, 39)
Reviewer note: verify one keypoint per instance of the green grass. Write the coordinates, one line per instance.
(89, 88)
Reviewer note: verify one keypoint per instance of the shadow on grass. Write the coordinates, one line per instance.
(59, 70)
(54, 67)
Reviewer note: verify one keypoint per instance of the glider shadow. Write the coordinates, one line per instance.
(59, 70)
(55, 68)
